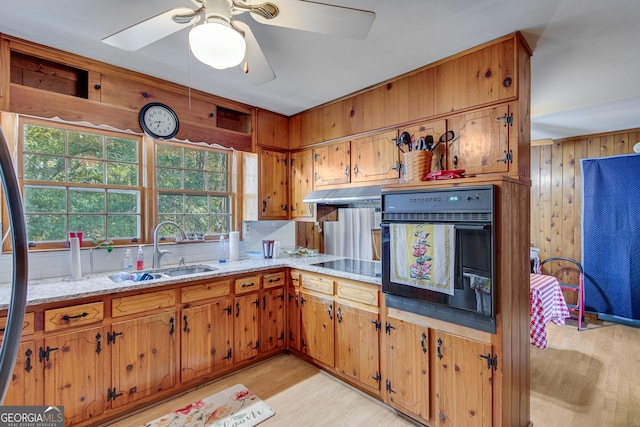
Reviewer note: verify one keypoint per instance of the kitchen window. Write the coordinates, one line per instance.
(193, 188)
(79, 179)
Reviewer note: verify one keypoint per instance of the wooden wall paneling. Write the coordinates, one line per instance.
(556, 200)
(354, 114)
(606, 146)
(621, 143)
(404, 94)
(536, 204)
(5, 67)
(374, 108)
(421, 94)
(568, 207)
(444, 87)
(310, 127)
(295, 137)
(272, 130)
(522, 86)
(545, 201)
(95, 86)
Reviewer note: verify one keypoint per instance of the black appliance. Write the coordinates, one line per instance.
(469, 214)
(355, 266)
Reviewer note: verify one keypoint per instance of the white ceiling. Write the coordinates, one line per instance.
(584, 65)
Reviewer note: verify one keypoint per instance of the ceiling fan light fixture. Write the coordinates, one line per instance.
(217, 44)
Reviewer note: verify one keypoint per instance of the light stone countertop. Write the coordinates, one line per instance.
(62, 289)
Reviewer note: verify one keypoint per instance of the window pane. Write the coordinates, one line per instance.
(218, 182)
(123, 226)
(170, 203)
(86, 171)
(218, 162)
(196, 204)
(86, 201)
(85, 145)
(199, 223)
(168, 156)
(194, 159)
(194, 180)
(46, 227)
(219, 224)
(122, 174)
(44, 168)
(219, 204)
(122, 202)
(44, 199)
(169, 178)
(122, 150)
(39, 139)
(93, 226)
(169, 230)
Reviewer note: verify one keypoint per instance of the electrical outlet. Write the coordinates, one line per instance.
(246, 230)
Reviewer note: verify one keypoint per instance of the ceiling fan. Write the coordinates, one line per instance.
(221, 42)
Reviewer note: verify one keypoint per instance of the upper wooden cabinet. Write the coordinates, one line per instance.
(482, 141)
(273, 185)
(332, 164)
(272, 130)
(301, 184)
(375, 157)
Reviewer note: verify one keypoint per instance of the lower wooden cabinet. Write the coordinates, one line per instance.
(272, 320)
(206, 339)
(464, 372)
(246, 333)
(26, 386)
(74, 373)
(317, 332)
(357, 345)
(293, 318)
(143, 357)
(406, 373)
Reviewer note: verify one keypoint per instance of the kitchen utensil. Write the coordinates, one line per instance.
(445, 137)
(399, 144)
(267, 248)
(405, 138)
(425, 143)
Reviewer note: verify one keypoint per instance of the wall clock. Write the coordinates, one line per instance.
(159, 120)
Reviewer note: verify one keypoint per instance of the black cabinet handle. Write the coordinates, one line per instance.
(172, 321)
(439, 348)
(185, 320)
(44, 354)
(27, 366)
(339, 315)
(248, 285)
(228, 310)
(330, 311)
(424, 339)
(276, 280)
(237, 309)
(98, 343)
(228, 356)
(67, 317)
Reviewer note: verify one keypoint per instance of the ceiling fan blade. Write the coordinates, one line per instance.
(320, 18)
(148, 31)
(259, 70)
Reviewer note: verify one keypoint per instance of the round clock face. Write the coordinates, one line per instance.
(159, 121)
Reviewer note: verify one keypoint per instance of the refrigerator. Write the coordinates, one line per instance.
(18, 299)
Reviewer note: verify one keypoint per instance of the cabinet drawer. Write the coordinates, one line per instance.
(272, 280)
(318, 284)
(357, 292)
(75, 315)
(144, 302)
(205, 291)
(27, 325)
(247, 284)
(294, 276)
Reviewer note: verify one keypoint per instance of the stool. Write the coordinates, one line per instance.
(578, 307)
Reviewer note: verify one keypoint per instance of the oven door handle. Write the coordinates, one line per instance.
(472, 227)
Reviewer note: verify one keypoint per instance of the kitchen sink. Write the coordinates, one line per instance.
(157, 273)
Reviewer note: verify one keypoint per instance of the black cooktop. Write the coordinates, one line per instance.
(355, 266)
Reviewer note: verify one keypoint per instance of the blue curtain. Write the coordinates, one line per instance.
(611, 235)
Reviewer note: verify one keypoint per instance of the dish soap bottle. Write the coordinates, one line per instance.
(140, 259)
(127, 261)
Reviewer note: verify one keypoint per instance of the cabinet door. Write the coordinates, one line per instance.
(357, 345)
(301, 183)
(143, 356)
(205, 339)
(436, 129)
(316, 330)
(274, 173)
(482, 141)
(293, 317)
(26, 386)
(75, 370)
(407, 367)
(375, 158)
(246, 333)
(463, 382)
(272, 319)
(331, 164)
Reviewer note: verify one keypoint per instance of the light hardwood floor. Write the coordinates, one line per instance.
(589, 378)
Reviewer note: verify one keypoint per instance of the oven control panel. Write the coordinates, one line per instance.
(451, 200)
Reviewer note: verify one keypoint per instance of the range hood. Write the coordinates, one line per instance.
(343, 196)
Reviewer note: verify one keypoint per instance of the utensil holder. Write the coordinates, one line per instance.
(417, 164)
(267, 248)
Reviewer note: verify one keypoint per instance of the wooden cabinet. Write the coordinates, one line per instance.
(406, 373)
(332, 164)
(272, 319)
(26, 385)
(301, 184)
(464, 375)
(246, 332)
(273, 185)
(272, 130)
(206, 337)
(293, 318)
(143, 357)
(375, 158)
(74, 373)
(317, 327)
(482, 144)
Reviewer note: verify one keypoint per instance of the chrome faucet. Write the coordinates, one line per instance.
(157, 253)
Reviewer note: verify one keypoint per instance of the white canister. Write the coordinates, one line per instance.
(276, 248)
(234, 245)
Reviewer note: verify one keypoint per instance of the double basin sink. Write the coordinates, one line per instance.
(158, 273)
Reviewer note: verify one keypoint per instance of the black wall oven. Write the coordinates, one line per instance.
(438, 254)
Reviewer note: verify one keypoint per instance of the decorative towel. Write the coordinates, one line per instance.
(480, 283)
(422, 256)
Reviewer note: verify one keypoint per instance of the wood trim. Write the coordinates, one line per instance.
(205, 291)
(28, 327)
(135, 304)
(76, 315)
(247, 284)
